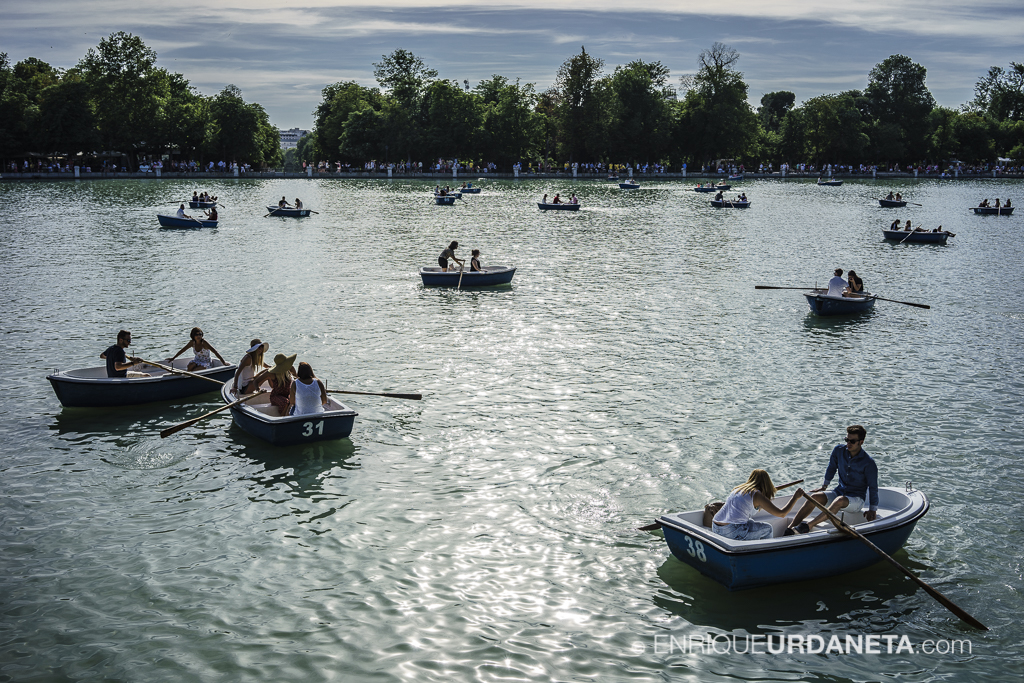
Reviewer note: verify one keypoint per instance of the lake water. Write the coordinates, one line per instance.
(487, 532)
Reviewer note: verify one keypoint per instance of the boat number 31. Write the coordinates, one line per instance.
(308, 427)
(693, 548)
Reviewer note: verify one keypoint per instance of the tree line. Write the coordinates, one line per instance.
(116, 101)
(635, 114)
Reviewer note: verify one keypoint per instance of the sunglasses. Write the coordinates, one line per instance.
(849, 440)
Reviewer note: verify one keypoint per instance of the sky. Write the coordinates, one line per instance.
(282, 54)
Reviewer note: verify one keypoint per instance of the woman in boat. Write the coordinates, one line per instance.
(298, 203)
(736, 518)
(853, 283)
(308, 394)
(938, 229)
(202, 350)
(895, 225)
(211, 215)
(545, 199)
(449, 253)
(474, 263)
(906, 228)
(574, 200)
(280, 379)
(250, 366)
(899, 197)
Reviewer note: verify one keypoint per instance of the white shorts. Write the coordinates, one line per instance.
(856, 504)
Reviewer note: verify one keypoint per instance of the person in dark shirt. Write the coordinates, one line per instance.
(858, 480)
(117, 361)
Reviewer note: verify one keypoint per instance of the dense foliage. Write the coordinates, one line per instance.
(116, 102)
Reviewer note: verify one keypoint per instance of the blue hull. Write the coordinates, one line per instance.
(716, 188)
(287, 213)
(839, 555)
(470, 190)
(175, 222)
(201, 205)
(492, 275)
(289, 431)
(722, 204)
(826, 305)
(106, 392)
(447, 200)
(558, 207)
(892, 203)
(629, 186)
(919, 237)
(993, 211)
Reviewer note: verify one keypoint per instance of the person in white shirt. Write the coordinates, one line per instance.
(837, 284)
(181, 212)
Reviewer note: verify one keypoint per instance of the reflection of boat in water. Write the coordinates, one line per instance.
(261, 418)
(825, 551)
(823, 304)
(91, 388)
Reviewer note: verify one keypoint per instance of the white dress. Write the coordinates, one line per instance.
(203, 359)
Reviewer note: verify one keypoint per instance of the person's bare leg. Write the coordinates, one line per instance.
(806, 508)
(837, 505)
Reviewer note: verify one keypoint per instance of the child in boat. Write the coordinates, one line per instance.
(202, 350)
(474, 263)
(736, 518)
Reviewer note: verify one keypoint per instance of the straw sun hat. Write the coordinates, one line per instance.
(283, 363)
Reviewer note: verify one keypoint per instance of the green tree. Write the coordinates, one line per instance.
(241, 132)
(774, 106)
(942, 143)
(512, 129)
(974, 138)
(1000, 94)
(67, 121)
(404, 76)
(339, 101)
(453, 121)
(14, 112)
(833, 129)
(185, 115)
(578, 108)
(899, 104)
(641, 118)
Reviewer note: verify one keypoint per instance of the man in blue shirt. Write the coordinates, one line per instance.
(858, 480)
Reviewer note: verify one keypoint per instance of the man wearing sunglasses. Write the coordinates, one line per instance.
(858, 480)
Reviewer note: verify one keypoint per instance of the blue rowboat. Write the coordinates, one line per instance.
(287, 212)
(469, 190)
(726, 204)
(825, 551)
(629, 186)
(558, 207)
(892, 203)
(721, 187)
(175, 222)
(919, 237)
(822, 304)
(444, 199)
(91, 388)
(993, 211)
(831, 183)
(738, 176)
(433, 276)
(613, 178)
(201, 205)
(260, 418)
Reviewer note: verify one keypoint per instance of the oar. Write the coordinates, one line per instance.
(915, 203)
(657, 525)
(176, 371)
(461, 267)
(274, 211)
(906, 303)
(946, 602)
(907, 237)
(411, 397)
(188, 423)
(316, 212)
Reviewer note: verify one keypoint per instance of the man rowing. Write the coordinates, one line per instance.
(181, 213)
(283, 204)
(118, 363)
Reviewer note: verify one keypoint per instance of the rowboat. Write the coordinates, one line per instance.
(201, 205)
(470, 190)
(919, 237)
(825, 551)
(892, 203)
(629, 186)
(175, 222)
(433, 276)
(831, 183)
(558, 207)
(91, 388)
(444, 199)
(722, 203)
(287, 212)
(738, 176)
(993, 211)
(260, 418)
(613, 178)
(823, 304)
(712, 188)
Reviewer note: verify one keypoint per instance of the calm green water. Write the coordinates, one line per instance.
(487, 532)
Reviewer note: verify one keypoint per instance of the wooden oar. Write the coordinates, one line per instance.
(176, 371)
(657, 525)
(411, 397)
(907, 237)
(188, 423)
(905, 303)
(274, 211)
(316, 212)
(946, 602)
(915, 203)
(461, 268)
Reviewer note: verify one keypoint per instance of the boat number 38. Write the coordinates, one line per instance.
(308, 427)
(694, 549)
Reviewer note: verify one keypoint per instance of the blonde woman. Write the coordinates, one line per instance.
(736, 518)
(251, 365)
(280, 379)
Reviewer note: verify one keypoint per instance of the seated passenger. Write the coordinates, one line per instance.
(250, 366)
(556, 200)
(308, 394)
(853, 283)
(938, 229)
(906, 228)
(736, 518)
(895, 225)
(279, 378)
(474, 263)
(181, 213)
(837, 284)
(202, 349)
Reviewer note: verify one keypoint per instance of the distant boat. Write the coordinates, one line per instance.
(613, 178)
(831, 183)
(726, 204)
(993, 211)
(563, 206)
(470, 190)
(445, 199)
(919, 237)
(261, 418)
(91, 388)
(738, 176)
(201, 205)
(892, 203)
(175, 222)
(823, 304)
(629, 186)
(433, 276)
(287, 212)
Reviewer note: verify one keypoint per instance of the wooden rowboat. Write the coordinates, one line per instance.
(201, 205)
(433, 276)
(260, 418)
(287, 212)
(175, 222)
(825, 551)
(726, 204)
(918, 237)
(892, 203)
(993, 211)
(823, 304)
(91, 388)
(558, 207)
